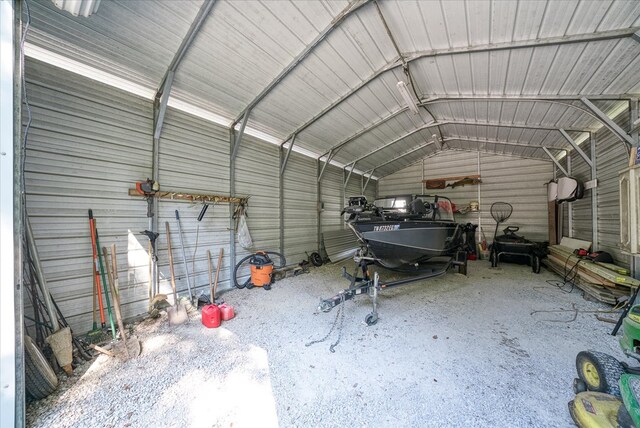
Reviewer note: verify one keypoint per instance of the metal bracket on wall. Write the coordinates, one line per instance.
(346, 181)
(327, 161)
(283, 163)
(366, 183)
(576, 147)
(555, 161)
(238, 139)
(613, 127)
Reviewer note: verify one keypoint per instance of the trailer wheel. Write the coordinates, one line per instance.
(40, 379)
(599, 371)
(371, 319)
(535, 264)
(316, 259)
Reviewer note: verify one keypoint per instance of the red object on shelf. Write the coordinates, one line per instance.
(226, 312)
(211, 316)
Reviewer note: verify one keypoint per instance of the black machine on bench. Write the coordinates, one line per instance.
(510, 244)
(409, 233)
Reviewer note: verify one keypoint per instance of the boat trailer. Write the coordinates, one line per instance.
(371, 284)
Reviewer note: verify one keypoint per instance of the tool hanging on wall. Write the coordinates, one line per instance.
(152, 236)
(148, 189)
(205, 206)
(176, 314)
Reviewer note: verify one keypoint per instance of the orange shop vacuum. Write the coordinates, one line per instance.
(261, 267)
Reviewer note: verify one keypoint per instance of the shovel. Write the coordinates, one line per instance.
(178, 313)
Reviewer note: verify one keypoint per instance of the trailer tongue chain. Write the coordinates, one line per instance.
(339, 315)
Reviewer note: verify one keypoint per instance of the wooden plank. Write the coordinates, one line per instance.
(615, 268)
(574, 244)
(595, 268)
(194, 197)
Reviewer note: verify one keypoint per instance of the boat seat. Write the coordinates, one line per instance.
(417, 207)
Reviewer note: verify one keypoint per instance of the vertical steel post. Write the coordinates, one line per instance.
(594, 194)
(570, 204)
(11, 368)
(282, 163)
(635, 136)
(232, 193)
(319, 203)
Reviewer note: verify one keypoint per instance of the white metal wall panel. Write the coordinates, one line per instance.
(194, 157)
(405, 181)
(612, 157)
(520, 182)
(582, 225)
(300, 207)
(257, 176)
(331, 196)
(87, 145)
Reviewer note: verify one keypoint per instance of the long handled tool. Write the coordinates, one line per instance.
(178, 313)
(102, 274)
(211, 295)
(96, 269)
(184, 257)
(215, 282)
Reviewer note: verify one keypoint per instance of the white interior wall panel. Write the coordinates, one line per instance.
(300, 207)
(405, 181)
(518, 181)
(88, 143)
(194, 157)
(582, 225)
(257, 176)
(612, 158)
(331, 196)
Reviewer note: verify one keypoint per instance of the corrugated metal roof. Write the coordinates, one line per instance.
(479, 67)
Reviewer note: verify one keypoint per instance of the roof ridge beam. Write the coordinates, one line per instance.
(351, 8)
(529, 43)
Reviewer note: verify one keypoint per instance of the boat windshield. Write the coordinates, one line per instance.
(443, 208)
(393, 203)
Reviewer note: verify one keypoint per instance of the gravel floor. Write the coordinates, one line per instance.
(453, 351)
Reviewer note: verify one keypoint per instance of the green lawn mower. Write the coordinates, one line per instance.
(608, 390)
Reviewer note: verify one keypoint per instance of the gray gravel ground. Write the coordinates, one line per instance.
(453, 351)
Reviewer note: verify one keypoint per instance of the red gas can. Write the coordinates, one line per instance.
(226, 312)
(211, 316)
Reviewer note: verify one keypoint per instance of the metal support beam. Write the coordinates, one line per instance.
(421, 146)
(199, 19)
(634, 121)
(232, 193)
(402, 137)
(281, 157)
(238, 139)
(506, 143)
(160, 106)
(402, 61)
(11, 322)
(569, 204)
(576, 147)
(555, 161)
(351, 8)
(327, 161)
(349, 175)
(283, 162)
(366, 183)
(594, 194)
(374, 125)
(613, 127)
